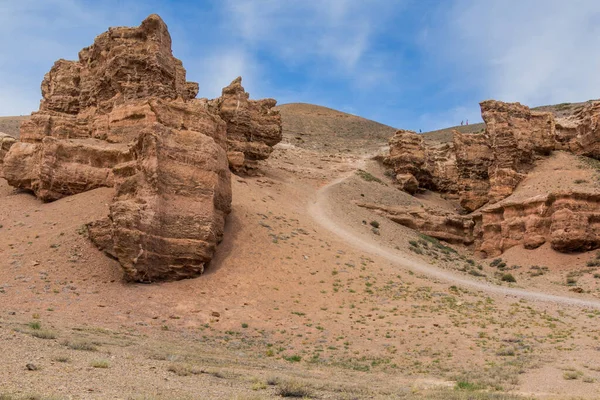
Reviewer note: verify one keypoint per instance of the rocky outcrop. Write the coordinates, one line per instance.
(569, 221)
(580, 133)
(477, 168)
(124, 116)
(517, 137)
(448, 226)
(473, 159)
(417, 166)
(93, 108)
(253, 126)
(169, 210)
(6, 142)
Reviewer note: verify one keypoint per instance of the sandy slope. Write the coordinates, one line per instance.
(281, 288)
(323, 212)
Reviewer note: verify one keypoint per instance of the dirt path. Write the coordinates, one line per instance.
(320, 210)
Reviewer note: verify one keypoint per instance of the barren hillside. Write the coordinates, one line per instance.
(315, 127)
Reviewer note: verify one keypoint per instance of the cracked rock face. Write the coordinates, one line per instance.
(483, 169)
(124, 116)
(253, 126)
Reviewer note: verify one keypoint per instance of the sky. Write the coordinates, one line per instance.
(411, 64)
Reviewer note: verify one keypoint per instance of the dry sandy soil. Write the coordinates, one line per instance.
(305, 297)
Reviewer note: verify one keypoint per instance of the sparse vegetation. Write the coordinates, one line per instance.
(368, 177)
(294, 388)
(508, 278)
(100, 364)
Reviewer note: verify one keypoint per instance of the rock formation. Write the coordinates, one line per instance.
(417, 166)
(477, 168)
(569, 221)
(517, 137)
(580, 133)
(124, 116)
(483, 169)
(253, 126)
(448, 226)
(6, 141)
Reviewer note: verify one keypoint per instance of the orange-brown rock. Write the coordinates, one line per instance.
(444, 225)
(6, 142)
(253, 126)
(569, 221)
(90, 106)
(432, 167)
(473, 159)
(169, 211)
(124, 116)
(517, 137)
(580, 133)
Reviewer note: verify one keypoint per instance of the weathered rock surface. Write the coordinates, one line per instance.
(90, 106)
(478, 168)
(580, 133)
(432, 168)
(253, 126)
(169, 210)
(6, 142)
(124, 116)
(451, 227)
(473, 159)
(569, 221)
(517, 137)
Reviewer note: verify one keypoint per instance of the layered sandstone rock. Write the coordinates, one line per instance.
(580, 133)
(6, 142)
(477, 168)
(517, 137)
(253, 126)
(569, 221)
(444, 225)
(432, 168)
(169, 210)
(124, 116)
(473, 159)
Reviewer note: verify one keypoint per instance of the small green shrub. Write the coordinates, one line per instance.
(508, 278)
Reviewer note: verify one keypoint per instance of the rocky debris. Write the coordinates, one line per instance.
(6, 141)
(580, 133)
(253, 126)
(124, 116)
(444, 225)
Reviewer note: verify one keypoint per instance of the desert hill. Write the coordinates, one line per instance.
(316, 127)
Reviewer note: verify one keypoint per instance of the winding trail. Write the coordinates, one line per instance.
(320, 210)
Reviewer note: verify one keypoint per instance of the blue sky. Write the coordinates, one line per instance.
(413, 64)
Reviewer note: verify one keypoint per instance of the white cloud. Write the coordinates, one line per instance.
(335, 36)
(532, 51)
